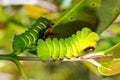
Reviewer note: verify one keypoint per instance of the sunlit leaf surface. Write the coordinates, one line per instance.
(95, 14)
(110, 68)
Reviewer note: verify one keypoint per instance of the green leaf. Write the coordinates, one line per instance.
(107, 13)
(115, 50)
(95, 14)
(110, 68)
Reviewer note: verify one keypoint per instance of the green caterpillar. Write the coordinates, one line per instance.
(83, 42)
(31, 36)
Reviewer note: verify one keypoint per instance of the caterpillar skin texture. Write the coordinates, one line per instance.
(83, 42)
(31, 36)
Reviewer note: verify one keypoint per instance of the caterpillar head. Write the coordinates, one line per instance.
(88, 40)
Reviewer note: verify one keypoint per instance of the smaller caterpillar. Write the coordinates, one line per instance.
(83, 42)
(30, 37)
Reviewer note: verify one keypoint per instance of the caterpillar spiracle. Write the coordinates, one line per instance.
(83, 41)
(31, 36)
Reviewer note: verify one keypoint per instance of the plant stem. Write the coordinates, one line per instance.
(6, 57)
(21, 69)
(14, 58)
(94, 62)
(85, 57)
(97, 63)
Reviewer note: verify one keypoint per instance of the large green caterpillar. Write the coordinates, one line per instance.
(31, 36)
(83, 42)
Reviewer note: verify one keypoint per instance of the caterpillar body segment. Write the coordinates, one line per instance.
(73, 46)
(19, 42)
(45, 53)
(31, 36)
(48, 41)
(55, 48)
(63, 49)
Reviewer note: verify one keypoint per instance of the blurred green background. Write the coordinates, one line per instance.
(15, 19)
